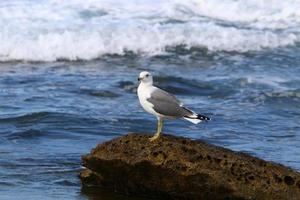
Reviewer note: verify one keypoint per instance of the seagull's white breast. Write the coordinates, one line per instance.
(144, 92)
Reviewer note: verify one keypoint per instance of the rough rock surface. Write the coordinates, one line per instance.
(178, 168)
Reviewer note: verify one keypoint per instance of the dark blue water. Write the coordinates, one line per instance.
(53, 113)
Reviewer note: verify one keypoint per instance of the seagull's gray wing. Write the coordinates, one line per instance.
(166, 104)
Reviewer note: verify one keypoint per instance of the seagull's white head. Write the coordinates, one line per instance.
(145, 77)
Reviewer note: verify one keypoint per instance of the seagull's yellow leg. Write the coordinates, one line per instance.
(159, 129)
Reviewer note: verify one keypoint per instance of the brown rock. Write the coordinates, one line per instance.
(178, 168)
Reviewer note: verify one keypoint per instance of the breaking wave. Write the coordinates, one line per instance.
(50, 30)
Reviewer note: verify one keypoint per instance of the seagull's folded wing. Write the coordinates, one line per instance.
(166, 104)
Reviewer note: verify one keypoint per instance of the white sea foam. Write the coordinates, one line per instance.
(47, 30)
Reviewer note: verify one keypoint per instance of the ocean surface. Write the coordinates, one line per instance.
(68, 79)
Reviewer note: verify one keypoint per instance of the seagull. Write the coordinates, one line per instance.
(163, 104)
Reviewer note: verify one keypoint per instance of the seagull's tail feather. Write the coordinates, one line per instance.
(195, 118)
(194, 121)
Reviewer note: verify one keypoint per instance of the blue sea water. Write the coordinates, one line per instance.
(68, 79)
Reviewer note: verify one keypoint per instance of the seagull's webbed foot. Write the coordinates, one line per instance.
(155, 137)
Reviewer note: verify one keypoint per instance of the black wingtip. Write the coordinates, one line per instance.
(203, 118)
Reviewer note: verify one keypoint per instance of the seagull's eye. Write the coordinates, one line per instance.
(147, 75)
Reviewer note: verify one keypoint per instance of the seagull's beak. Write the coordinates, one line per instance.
(139, 79)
